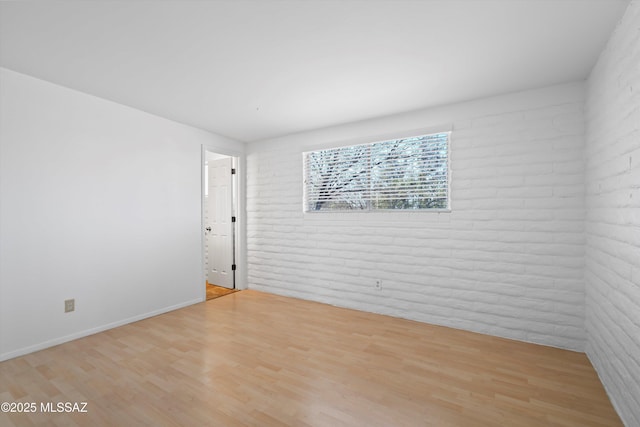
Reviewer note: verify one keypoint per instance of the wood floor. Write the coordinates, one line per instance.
(214, 291)
(254, 359)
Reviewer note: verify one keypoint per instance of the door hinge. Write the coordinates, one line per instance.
(233, 171)
(233, 267)
(233, 219)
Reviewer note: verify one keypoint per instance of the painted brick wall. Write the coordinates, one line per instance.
(613, 217)
(507, 260)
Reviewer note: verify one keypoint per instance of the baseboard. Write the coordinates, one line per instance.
(87, 332)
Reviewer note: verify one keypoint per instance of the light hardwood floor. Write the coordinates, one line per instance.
(263, 360)
(214, 291)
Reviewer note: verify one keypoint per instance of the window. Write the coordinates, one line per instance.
(407, 174)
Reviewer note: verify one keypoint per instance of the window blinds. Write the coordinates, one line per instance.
(409, 173)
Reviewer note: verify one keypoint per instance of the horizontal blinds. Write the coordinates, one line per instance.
(410, 173)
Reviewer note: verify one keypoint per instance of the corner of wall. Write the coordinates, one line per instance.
(612, 250)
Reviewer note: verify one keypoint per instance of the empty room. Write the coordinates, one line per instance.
(320, 213)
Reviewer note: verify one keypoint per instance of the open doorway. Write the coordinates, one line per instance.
(220, 204)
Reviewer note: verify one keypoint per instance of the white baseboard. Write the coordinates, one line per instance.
(87, 332)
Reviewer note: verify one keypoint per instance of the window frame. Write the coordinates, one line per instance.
(370, 141)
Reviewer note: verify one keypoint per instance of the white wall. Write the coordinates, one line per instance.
(613, 217)
(507, 260)
(101, 203)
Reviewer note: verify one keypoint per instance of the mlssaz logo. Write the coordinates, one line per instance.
(63, 407)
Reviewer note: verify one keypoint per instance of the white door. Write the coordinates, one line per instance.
(219, 226)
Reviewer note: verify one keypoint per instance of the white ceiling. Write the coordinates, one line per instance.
(252, 70)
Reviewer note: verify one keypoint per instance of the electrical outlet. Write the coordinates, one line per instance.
(69, 305)
(379, 284)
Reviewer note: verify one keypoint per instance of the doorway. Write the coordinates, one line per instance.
(219, 220)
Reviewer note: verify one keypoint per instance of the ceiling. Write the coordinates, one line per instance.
(253, 70)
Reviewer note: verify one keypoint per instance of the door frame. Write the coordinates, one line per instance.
(239, 255)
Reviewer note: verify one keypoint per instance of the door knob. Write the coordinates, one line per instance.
(208, 228)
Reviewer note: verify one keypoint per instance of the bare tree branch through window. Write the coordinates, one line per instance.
(407, 174)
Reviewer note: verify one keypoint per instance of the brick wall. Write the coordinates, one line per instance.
(613, 217)
(507, 260)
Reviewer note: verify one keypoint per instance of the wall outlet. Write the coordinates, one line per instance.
(69, 305)
(378, 284)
